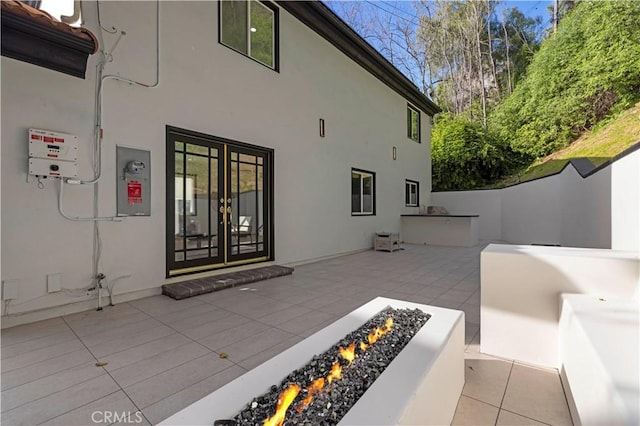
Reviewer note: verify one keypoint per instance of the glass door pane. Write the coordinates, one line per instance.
(195, 218)
(246, 190)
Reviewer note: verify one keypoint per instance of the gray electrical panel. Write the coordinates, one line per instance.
(133, 186)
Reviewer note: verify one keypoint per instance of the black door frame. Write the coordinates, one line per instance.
(173, 268)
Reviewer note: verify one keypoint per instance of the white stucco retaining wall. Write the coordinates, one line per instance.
(205, 87)
(599, 211)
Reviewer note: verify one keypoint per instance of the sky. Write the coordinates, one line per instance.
(532, 8)
(404, 10)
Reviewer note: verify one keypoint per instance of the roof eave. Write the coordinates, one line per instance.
(328, 25)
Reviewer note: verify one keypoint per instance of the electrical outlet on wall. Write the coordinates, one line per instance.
(54, 283)
(10, 289)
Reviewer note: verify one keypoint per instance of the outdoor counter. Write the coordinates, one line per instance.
(440, 230)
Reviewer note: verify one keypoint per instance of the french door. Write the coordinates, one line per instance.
(219, 202)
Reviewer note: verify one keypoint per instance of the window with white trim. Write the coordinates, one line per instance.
(411, 189)
(363, 189)
(413, 123)
(251, 28)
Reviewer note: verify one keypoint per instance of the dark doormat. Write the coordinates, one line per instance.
(185, 289)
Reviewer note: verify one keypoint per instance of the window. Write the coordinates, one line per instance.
(363, 190)
(413, 123)
(411, 189)
(250, 27)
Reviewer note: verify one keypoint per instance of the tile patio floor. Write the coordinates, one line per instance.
(163, 354)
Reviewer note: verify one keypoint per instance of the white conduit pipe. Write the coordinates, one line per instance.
(77, 218)
(102, 79)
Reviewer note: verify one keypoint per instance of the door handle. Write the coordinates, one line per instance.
(229, 211)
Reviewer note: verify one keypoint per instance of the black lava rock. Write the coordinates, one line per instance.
(329, 405)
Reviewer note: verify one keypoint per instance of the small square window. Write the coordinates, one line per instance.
(251, 28)
(411, 189)
(363, 189)
(413, 124)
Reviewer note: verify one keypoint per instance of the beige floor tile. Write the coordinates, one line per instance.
(172, 404)
(285, 315)
(45, 368)
(486, 379)
(474, 345)
(36, 330)
(132, 318)
(94, 316)
(191, 322)
(176, 379)
(40, 355)
(506, 418)
(470, 332)
(267, 354)
(213, 327)
(537, 394)
(101, 412)
(305, 322)
(32, 345)
(59, 403)
(119, 332)
(103, 349)
(144, 351)
(40, 388)
(157, 364)
(322, 300)
(308, 332)
(233, 335)
(250, 346)
(474, 413)
(162, 304)
(341, 307)
(445, 303)
(175, 316)
(268, 307)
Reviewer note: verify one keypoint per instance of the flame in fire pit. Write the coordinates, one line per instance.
(288, 395)
(348, 354)
(315, 387)
(336, 372)
(284, 401)
(378, 332)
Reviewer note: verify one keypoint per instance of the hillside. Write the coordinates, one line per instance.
(598, 145)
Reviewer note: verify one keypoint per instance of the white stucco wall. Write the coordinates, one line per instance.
(625, 203)
(208, 88)
(599, 211)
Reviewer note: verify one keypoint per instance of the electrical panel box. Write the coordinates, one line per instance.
(52, 154)
(133, 186)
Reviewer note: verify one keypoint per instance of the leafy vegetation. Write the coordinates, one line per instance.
(511, 99)
(588, 70)
(464, 153)
(598, 145)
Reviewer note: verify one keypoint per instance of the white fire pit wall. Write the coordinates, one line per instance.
(422, 384)
(521, 287)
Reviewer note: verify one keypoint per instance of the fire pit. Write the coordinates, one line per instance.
(421, 385)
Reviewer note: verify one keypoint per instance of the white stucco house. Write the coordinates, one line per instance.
(221, 136)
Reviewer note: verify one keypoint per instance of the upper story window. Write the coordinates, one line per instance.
(411, 193)
(251, 28)
(363, 190)
(413, 123)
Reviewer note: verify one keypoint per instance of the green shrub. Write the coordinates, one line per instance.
(464, 155)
